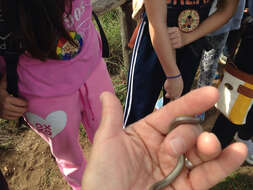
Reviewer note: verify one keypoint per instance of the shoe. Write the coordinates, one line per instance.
(249, 144)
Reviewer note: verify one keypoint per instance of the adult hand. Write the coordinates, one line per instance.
(174, 87)
(144, 153)
(11, 108)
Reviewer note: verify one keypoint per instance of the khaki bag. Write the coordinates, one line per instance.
(236, 87)
(236, 93)
(138, 9)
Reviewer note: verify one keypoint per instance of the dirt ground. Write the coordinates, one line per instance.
(28, 164)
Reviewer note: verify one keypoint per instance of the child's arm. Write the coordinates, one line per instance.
(212, 23)
(157, 15)
(11, 108)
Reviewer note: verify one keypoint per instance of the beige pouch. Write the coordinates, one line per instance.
(138, 9)
(236, 93)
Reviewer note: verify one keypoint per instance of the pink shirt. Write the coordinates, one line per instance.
(58, 78)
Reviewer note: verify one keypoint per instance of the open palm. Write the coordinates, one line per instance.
(144, 153)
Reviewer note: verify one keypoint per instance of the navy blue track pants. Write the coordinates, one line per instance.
(146, 76)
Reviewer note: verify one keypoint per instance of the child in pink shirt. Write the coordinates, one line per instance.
(61, 75)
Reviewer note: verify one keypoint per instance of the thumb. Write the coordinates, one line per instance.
(112, 117)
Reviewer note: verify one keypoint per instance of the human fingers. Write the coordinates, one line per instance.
(172, 93)
(172, 96)
(106, 150)
(176, 143)
(172, 30)
(9, 106)
(173, 88)
(168, 93)
(175, 42)
(193, 103)
(10, 112)
(111, 121)
(9, 117)
(174, 36)
(207, 148)
(215, 170)
(18, 102)
(180, 140)
(14, 113)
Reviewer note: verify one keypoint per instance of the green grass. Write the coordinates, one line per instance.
(111, 25)
(110, 22)
(236, 181)
(82, 131)
(120, 87)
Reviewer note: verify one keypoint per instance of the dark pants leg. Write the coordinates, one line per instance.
(231, 44)
(246, 132)
(224, 130)
(244, 56)
(145, 78)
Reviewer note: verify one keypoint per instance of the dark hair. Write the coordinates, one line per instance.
(40, 23)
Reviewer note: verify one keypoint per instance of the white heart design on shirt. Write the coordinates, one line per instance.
(54, 123)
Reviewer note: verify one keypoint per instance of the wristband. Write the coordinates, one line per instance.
(173, 77)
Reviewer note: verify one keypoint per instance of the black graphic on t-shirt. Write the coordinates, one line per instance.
(175, 7)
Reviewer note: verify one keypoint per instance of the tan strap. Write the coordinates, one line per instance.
(239, 74)
(245, 91)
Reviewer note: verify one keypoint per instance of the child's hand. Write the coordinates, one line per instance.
(178, 39)
(11, 108)
(174, 88)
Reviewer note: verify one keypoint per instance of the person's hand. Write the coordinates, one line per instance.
(173, 87)
(142, 154)
(178, 39)
(11, 108)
